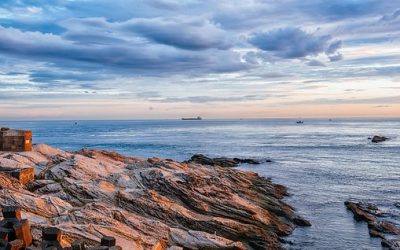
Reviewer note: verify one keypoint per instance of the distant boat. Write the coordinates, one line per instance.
(299, 122)
(192, 119)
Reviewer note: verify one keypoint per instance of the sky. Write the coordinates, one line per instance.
(152, 59)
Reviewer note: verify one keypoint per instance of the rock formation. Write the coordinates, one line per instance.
(384, 229)
(378, 138)
(146, 203)
(222, 161)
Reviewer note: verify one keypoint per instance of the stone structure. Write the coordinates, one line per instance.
(15, 233)
(15, 140)
(107, 243)
(23, 175)
(51, 239)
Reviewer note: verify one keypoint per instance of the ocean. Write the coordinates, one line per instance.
(322, 162)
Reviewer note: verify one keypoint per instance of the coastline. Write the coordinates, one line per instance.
(147, 203)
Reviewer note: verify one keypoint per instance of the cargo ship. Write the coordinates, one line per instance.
(192, 119)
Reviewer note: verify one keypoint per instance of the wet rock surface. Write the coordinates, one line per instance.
(378, 222)
(147, 203)
(221, 161)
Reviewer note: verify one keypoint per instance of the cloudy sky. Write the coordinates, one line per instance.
(129, 59)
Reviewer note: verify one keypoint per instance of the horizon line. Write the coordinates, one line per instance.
(204, 119)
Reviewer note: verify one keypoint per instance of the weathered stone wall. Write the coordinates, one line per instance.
(15, 140)
(27, 140)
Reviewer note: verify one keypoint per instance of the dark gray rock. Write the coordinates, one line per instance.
(377, 139)
(298, 220)
(221, 161)
(391, 244)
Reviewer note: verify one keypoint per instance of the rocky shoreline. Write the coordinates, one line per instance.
(147, 203)
(379, 224)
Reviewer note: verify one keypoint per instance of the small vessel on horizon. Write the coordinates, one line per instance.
(192, 118)
(299, 122)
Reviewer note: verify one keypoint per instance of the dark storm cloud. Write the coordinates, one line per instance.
(141, 58)
(340, 9)
(316, 63)
(89, 45)
(48, 76)
(32, 26)
(335, 57)
(247, 14)
(391, 17)
(134, 41)
(293, 43)
(180, 32)
(13, 86)
(333, 47)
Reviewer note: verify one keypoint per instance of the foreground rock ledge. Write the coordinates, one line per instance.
(147, 203)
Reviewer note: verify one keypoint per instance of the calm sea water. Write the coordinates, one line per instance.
(322, 162)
